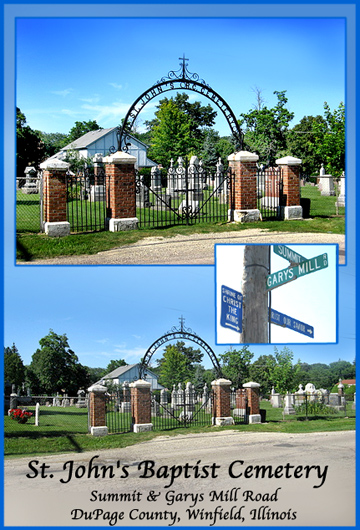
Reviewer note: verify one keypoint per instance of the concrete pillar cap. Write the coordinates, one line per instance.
(243, 156)
(288, 161)
(119, 158)
(251, 385)
(221, 382)
(140, 383)
(54, 163)
(100, 389)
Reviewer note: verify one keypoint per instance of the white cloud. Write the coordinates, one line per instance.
(62, 93)
(92, 100)
(115, 85)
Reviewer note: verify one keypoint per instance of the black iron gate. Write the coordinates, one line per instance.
(184, 194)
(270, 192)
(181, 408)
(118, 411)
(239, 406)
(86, 200)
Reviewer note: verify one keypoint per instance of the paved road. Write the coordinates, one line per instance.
(310, 481)
(197, 249)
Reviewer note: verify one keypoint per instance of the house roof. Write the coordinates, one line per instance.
(92, 136)
(118, 371)
(88, 138)
(348, 382)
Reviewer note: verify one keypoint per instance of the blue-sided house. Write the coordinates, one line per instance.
(102, 141)
(130, 373)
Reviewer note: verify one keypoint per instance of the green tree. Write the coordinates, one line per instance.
(342, 369)
(80, 128)
(95, 374)
(236, 365)
(330, 140)
(174, 368)
(29, 148)
(302, 141)
(192, 358)
(14, 370)
(171, 135)
(282, 371)
(113, 365)
(53, 142)
(209, 153)
(178, 126)
(266, 129)
(259, 372)
(56, 366)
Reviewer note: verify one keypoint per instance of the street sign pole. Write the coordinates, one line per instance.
(255, 302)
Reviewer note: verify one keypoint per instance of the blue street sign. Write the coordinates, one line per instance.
(288, 322)
(231, 309)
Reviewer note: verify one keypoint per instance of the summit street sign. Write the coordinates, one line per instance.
(231, 309)
(288, 322)
(286, 253)
(292, 273)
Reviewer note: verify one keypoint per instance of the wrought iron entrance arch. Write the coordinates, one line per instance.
(177, 80)
(179, 333)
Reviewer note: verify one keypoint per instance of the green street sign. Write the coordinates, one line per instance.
(286, 253)
(292, 273)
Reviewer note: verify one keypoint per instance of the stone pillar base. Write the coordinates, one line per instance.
(254, 418)
(221, 422)
(142, 427)
(244, 216)
(99, 431)
(119, 225)
(291, 212)
(59, 229)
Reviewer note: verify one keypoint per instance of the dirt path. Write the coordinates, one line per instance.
(197, 249)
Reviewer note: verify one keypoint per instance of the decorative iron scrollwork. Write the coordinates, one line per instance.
(180, 79)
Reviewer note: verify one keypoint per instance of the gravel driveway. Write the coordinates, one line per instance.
(197, 249)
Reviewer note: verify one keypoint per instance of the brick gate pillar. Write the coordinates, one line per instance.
(221, 405)
(290, 169)
(54, 197)
(97, 410)
(253, 396)
(141, 405)
(244, 169)
(121, 195)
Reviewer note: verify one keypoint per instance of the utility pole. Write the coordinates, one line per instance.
(255, 296)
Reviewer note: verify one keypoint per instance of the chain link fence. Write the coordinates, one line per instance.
(29, 204)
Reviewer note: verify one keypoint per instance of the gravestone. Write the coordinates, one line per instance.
(31, 181)
(288, 409)
(81, 403)
(326, 183)
(142, 195)
(341, 199)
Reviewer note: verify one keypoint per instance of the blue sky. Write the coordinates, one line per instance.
(76, 69)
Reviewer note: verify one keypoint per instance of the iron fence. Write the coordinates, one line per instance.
(186, 194)
(239, 406)
(270, 192)
(183, 408)
(86, 198)
(118, 411)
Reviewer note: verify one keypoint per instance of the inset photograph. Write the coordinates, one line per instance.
(276, 294)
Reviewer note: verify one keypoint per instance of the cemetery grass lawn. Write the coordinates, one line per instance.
(66, 431)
